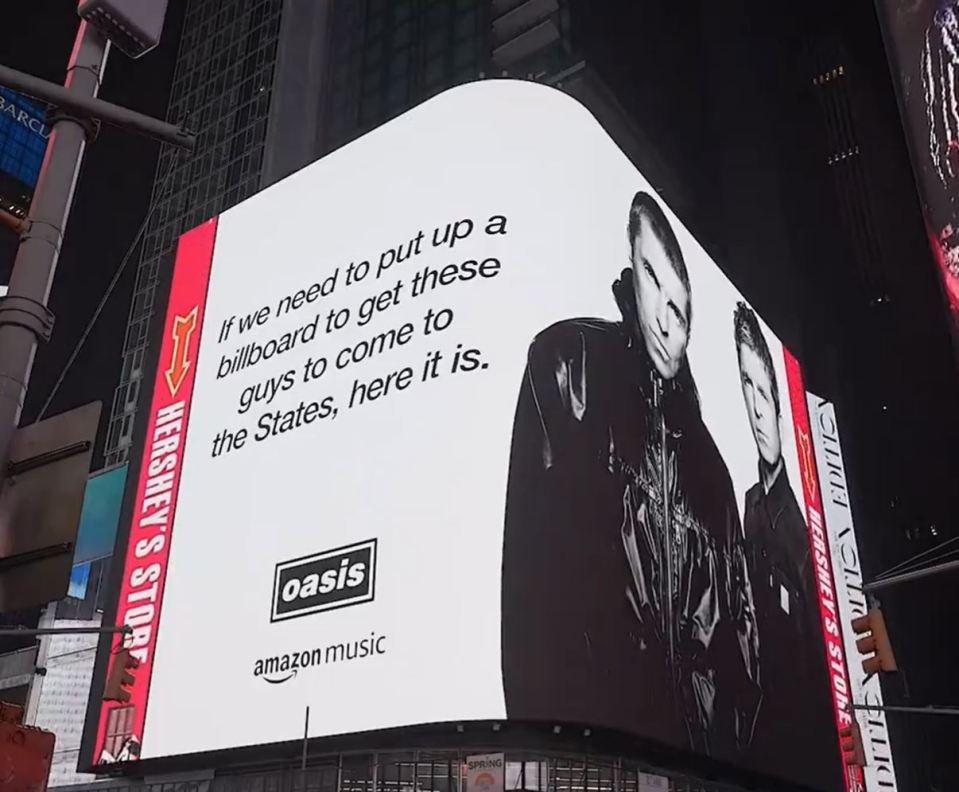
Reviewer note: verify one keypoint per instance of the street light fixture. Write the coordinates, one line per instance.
(133, 25)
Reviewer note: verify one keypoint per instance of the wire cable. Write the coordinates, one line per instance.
(904, 566)
(939, 558)
(160, 195)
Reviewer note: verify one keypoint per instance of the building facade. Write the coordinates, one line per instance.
(424, 770)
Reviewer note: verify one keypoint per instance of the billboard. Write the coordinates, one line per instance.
(880, 770)
(921, 38)
(495, 439)
(23, 142)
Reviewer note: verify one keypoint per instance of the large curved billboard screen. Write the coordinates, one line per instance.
(460, 422)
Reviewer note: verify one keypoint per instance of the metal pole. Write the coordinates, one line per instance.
(16, 632)
(24, 316)
(306, 734)
(892, 580)
(931, 710)
(88, 107)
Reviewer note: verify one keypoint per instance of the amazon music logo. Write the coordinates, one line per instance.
(324, 581)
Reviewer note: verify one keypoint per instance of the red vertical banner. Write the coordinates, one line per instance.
(819, 548)
(120, 724)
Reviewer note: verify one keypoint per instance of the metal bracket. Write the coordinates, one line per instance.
(27, 313)
(17, 632)
(91, 126)
(48, 457)
(19, 559)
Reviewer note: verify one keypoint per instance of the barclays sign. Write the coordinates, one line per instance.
(23, 117)
(24, 134)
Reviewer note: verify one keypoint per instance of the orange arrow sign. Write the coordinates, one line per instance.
(805, 448)
(183, 327)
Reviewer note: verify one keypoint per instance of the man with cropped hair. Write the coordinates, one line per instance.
(796, 707)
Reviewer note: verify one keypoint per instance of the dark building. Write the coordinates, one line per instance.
(773, 133)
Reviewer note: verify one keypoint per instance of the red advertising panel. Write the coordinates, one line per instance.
(120, 725)
(825, 586)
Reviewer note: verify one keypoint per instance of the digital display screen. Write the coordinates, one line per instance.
(461, 423)
(23, 136)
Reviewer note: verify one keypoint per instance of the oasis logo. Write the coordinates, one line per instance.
(324, 581)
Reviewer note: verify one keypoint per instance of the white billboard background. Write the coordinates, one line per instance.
(422, 470)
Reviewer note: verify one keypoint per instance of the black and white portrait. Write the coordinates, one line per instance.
(643, 588)
(624, 578)
(781, 574)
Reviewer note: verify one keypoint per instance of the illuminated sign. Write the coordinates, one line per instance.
(922, 37)
(880, 771)
(493, 380)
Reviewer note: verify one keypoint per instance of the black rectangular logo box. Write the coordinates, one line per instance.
(324, 581)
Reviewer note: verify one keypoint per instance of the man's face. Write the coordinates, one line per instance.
(662, 301)
(763, 418)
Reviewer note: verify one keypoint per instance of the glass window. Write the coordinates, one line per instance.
(119, 728)
(437, 42)
(434, 71)
(466, 25)
(396, 94)
(464, 55)
(402, 35)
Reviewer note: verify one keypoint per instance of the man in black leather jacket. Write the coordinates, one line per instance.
(796, 707)
(625, 601)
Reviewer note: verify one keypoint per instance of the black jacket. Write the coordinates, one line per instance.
(796, 708)
(611, 465)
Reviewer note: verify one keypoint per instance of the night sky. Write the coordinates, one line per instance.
(917, 443)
